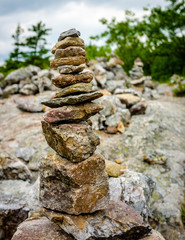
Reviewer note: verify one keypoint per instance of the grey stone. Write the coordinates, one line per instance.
(135, 189)
(128, 90)
(24, 82)
(1, 92)
(70, 33)
(33, 69)
(28, 89)
(25, 153)
(113, 84)
(122, 116)
(71, 68)
(119, 72)
(28, 105)
(101, 80)
(11, 89)
(110, 75)
(138, 108)
(17, 75)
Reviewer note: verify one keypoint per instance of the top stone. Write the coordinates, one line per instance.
(70, 33)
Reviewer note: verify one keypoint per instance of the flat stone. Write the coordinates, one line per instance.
(30, 104)
(76, 142)
(75, 88)
(77, 60)
(72, 99)
(73, 188)
(69, 33)
(117, 221)
(68, 41)
(64, 80)
(138, 108)
(72, 113)
(39, 228)
(113, 169)
(69, 52)
(128, 99)
(71, 68)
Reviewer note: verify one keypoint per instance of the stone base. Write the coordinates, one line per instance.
(73, 188)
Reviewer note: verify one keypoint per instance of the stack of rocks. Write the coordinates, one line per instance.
(136, 74)
(74, 190)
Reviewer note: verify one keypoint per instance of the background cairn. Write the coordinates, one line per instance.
(74, 180)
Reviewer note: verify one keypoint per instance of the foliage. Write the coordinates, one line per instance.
(94, 51)
(158, 39)
(179, 90)
(28, 50)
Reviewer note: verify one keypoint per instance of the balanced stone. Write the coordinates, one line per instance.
(71, 68)
(68, 41)
(72, 99)
(76, 88)
(70, 33)
(74, 188)
(117, 221)
(77, 60)
(64, 80)
(69, 52)
(76, 142)
(72, 113)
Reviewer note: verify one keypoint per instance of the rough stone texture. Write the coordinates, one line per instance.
(73, 188)
(69, 33)
(72, 113)
(12, 213)
(13, 168)
(64, 80)
(72, 99)
(27, 104)
(29, 89)
(71, 68)
(112, 168)
(17, 75)
(69, 52)
(138, 108)
(11, 89)
(25, 153)
(76, 88)
(78, 60)
(128, 99)
(155, 235)
(135, 189)
(75, 142)
(68, 41)
(117, 221)
(40, 228)
(155, 157)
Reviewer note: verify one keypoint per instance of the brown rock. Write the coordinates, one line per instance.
(68, 41)
(112, 130)
(75, 88)
(118, 221)
(128, 98)
(69, 52)
(68, 61)
(71, 68)
(75, 142)
(112, 168)
(138, 108)
(40, 228)
(72, 99)
(74, 188)
(72, 113)
(64, 80)
(155, 235)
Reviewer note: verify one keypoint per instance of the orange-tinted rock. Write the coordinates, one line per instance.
(72, 113)
(68, 61)
(73, 188)
(76, 142)
(68, 41)
(69, 52)
(64, 80)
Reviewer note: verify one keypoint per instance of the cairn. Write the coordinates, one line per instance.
(74, 179)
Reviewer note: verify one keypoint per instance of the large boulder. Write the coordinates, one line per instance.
(17, 75)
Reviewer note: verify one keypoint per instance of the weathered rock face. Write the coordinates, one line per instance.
(72, 99)
(17, 75)
(75, 88)
(128, 99)
(68, 61)
(69, 33)
(40, 228)
(68, 41)
(74, 188)
(70, 51)
(72, 113)
(64, 80)
(76, 142)
(117, 221)
(28, 105)
(71, 68)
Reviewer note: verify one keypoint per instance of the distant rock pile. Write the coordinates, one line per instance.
(74, 184)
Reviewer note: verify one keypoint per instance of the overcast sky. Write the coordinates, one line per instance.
(61, 15)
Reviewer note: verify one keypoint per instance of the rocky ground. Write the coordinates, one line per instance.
(153, 144)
